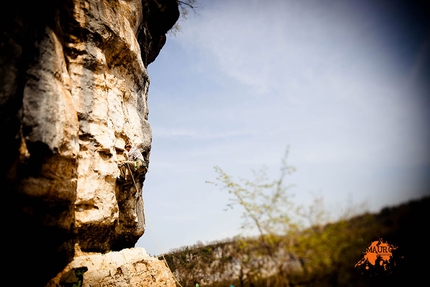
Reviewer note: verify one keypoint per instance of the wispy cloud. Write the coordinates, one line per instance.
(264, 46)
(167, 132)
(339, 82)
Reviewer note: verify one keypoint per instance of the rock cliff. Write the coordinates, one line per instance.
(74, 88)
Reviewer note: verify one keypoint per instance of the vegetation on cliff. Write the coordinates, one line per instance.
(317, 256)
(296, 245)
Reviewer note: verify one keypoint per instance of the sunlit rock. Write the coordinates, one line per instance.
(74, 88)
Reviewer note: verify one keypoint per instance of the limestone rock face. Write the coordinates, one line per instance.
(128, 267)
(74, 88)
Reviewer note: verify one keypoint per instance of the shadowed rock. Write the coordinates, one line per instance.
(73, 90)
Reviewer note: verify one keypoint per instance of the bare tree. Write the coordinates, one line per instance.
(184, 8)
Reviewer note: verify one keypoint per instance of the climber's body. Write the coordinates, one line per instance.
(134, 163)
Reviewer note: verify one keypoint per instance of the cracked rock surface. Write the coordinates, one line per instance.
(73, 90)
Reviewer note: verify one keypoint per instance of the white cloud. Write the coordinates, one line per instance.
(265, 46)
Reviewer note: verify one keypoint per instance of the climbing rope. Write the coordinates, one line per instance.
(135, 186)
(150, 226)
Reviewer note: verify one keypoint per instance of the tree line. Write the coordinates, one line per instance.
(303, 246)
(313, 257)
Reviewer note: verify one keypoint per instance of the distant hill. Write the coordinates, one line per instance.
(326, 256)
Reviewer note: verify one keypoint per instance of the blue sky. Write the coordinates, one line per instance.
(344, 84)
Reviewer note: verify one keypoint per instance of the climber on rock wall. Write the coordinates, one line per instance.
(134, 163)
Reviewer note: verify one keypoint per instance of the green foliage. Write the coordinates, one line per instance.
(323, 255)
(267, 204)
(296, 245)
(268, 207)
